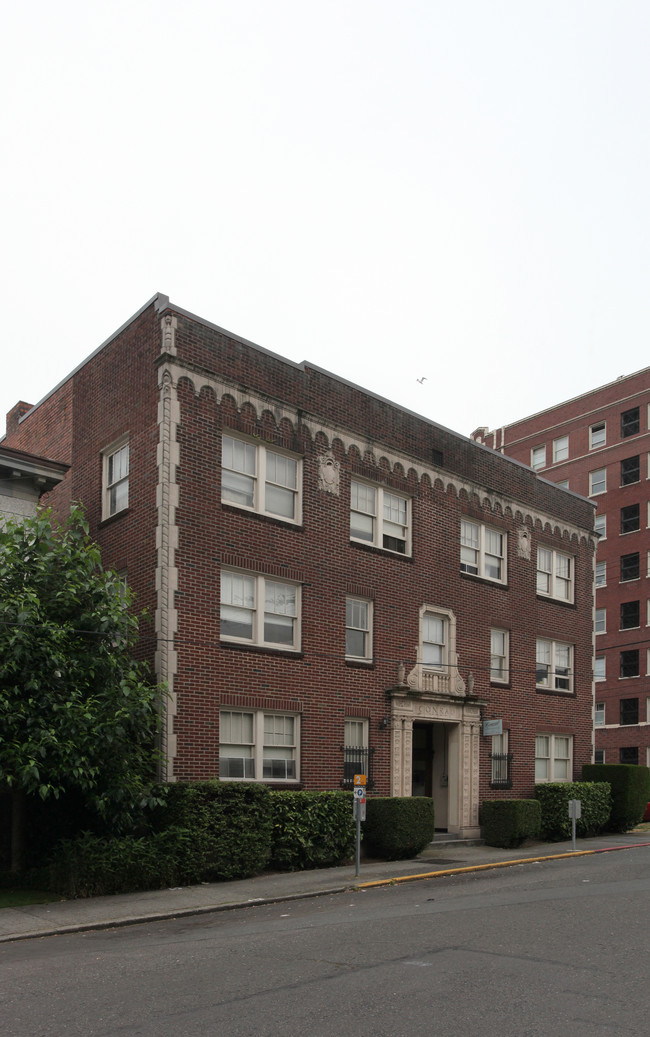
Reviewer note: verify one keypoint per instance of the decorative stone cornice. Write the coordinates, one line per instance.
(370, 449)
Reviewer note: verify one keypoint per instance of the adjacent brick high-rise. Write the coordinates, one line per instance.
(598, 445)
(333, 583)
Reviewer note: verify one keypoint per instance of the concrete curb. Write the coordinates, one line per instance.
(348, 887)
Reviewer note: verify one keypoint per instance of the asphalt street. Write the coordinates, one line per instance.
(532, 950)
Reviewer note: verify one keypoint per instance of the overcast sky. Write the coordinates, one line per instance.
(454, 190)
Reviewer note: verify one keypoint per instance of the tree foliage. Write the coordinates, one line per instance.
(76, 709)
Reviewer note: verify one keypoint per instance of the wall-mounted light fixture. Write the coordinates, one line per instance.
(383, 723)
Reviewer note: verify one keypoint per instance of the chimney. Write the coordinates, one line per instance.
(15, 414)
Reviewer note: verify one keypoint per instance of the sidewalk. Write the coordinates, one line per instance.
(442, 857)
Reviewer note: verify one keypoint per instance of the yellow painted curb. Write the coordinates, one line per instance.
(487, 867)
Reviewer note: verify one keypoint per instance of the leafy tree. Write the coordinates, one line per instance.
(77, 712)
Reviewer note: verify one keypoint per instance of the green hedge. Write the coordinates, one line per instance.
(91, 865)
(595, 799)
(231, 819)
(508, 822)
(630, 787)
(311, 829)
(397, 827)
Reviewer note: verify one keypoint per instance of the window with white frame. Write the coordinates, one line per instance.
(499, 656)
(482, 551)
(600, 621)
(600, 526)
(597, 482)
(560, 449)
(562, 484)
(258, 746)
(554, 574)
(116, 478)
(259, 610)
(260, 479)
(553, 757)
(599, 668)
(358, 629)
(538, 457)
(500, 759)
(599, 714)
(554, 667)
(434, 640)
(597, 435)
(356, 758)
(380, 517)
(601, 574)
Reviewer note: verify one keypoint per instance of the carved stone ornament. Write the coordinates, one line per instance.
(329, 473)
(523, 543)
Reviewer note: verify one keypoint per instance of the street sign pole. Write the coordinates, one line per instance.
(359, 806)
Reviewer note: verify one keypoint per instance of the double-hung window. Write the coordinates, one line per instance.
(553, 757)
(554, 574)
(630, 518)
(600, 671)
(630, 470)
(630, 567)
(630, 615)
(260, 479)
(597, 435)
(116, 479)
(600, 526)
(601, 574)
(501, 760)
(380, 517)
(601, 621)
(560, 449)
(629, 711)
(597, 482)
(482, 551)
(356, 754)
(599, 714)
(358, 629)
(538, 457)
(258, 745)
(554, 667)
(629, 663)
(499, 655)
(630, 422)
(260, 610)
(434, 640)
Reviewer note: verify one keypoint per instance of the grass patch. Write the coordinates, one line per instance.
(25, 897)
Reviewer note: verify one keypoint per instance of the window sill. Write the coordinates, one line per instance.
(113, 518)
(500, 684)
(275, 520)
(476, 578)
(556, 601)
(556, 692)
(383, 551)
(360, 664)
(287, 653)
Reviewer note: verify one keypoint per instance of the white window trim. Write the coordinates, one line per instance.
(600, 614)
(257, 638)
(367, 656)
(536, 451)
(599, 714)
(597, 471)
(560, 444)
(550, 684)
(597, 424)
(257, 745)
(259, 479)
(107, 453)
(603, 522)
(378, 519)
(504, 678)
(556, 581)
(597, 676)
(600, 574)
(553, 759)
(483, 554)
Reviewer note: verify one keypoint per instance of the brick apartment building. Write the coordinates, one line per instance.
(332, 583)
(598, 444)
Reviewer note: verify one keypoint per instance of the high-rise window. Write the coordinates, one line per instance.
(630, 470)
(630, 518)
(630, 423)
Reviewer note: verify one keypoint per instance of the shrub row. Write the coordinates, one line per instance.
(397, 827)
(596, 803)
(206, 832)
(630, 787)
